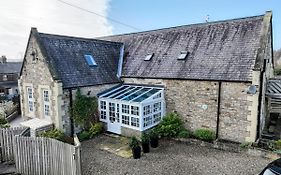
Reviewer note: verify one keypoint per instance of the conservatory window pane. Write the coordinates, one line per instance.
(146, 95)
(121, 92)
(147, 121)
(125, 120)
(103, 105)
(103, 115)
(146, 110)
(116, 90)
(157, 117)
(156, 107)
(134, 110)
(130, 92)
(136, 94)
(125, 109)
(112, 112)
(135, 122)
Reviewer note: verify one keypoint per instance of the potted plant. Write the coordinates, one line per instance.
(136, 149)
(145, 142)
(154, 137)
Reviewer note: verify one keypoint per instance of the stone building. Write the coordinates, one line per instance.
(214, 74)
(9, 73)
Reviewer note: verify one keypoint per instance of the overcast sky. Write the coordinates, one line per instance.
(49, 16)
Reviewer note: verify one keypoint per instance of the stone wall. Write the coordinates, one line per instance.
(88, 91)
(197, 103)
(35, 74)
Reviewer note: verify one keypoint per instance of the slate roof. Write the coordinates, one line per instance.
(223, 50)
(10, 67)
(66, 56)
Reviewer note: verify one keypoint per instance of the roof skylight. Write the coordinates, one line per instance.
(148, 57)
(183, 55)
(90, 60)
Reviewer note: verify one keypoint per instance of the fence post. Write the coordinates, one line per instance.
(77, 160)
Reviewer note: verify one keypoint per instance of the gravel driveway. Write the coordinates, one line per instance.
(169, 158)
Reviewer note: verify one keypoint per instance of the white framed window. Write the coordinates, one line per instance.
(156, 106)
(147, 121)
(147, 110)
(112, 116)
(135, 122)
(103, 115)
(103, 105)
(125, 120)
(157, 117)
(46, 102)
(47, 110)
(30, 99)
(134, 110)
(125, 109)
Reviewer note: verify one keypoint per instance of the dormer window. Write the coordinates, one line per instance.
(148, 57)
(90, 60)
(183, 55)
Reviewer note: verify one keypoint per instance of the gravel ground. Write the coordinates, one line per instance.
(169, 158)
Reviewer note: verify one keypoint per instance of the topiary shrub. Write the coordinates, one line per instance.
(84, 135)
(205, 134)
(54, 134)
(95, 129)
(171, 126)
(184, 134)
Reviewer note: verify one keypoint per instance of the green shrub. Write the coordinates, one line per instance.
(184, 134)
(245, 145)
(170, 126)
(95, 129)
(84, 135)
(3, 121)
(277, 145)
(153, 134)
(277, 70)
(145, 138)
(134, 142)
(54, 134)
(205, 134)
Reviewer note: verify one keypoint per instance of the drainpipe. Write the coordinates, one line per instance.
(71, 118)
(218, 111)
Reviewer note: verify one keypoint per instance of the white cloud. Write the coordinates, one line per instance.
(49, 16)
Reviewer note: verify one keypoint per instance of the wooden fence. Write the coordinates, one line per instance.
(6, 142)
(45, 156)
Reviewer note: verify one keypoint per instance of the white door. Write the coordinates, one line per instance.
(113, 124)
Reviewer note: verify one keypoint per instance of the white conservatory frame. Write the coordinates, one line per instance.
(118, 107)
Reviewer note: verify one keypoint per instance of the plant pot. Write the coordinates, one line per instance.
(145, 147)
(154, 142)
(136, 152)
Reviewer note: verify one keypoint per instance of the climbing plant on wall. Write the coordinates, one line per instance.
(84, 109)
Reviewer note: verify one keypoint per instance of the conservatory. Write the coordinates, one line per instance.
(131, 109)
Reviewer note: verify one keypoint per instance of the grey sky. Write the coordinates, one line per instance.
(49, 16)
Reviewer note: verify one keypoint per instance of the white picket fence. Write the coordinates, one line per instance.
(6, 142)
(39, 156)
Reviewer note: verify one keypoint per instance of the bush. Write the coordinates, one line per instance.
(277, 144)
(171, 126)
(153, 134)
(84, 135)
(3, 121)
(205, 134)
(95, 129)
(145, 138)
(134, 142)
(54, 134)
(184, 134)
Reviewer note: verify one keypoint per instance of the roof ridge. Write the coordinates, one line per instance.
(187, 25)
(79, 38)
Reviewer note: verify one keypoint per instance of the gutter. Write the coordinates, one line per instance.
(71, 114)
(218, 110)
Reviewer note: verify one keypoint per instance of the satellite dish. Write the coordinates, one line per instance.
(252, 89)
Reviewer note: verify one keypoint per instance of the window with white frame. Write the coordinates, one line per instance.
(30, 99)
(125, 120)
(103, 105)
(103, 115)
(125, 109)
(157, 117)
(147, 121)
(146, 110)
(156, 106)
(46, 102)
(135, 122)
(112, 117)
(134, 110)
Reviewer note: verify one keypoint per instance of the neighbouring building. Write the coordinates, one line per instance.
(213, 74)
(9, 73)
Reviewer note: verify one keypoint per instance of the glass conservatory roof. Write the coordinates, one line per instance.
(133, 93)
